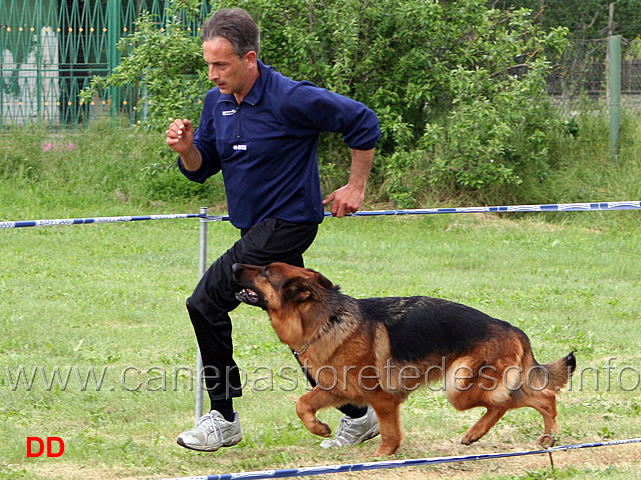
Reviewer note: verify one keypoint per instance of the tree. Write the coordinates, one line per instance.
(585, 19)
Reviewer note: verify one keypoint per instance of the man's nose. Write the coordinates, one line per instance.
(212, 73)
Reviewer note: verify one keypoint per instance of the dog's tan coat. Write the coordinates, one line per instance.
(351, 359)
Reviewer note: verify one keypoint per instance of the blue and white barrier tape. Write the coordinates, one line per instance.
(84, 221)
(553, 207)
(357, 467)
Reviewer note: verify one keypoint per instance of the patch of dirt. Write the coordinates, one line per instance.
(623, 457)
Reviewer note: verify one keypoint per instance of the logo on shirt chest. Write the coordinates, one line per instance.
(240, 147)
(227, 113)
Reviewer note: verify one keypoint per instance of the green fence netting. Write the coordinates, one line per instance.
(50, 49)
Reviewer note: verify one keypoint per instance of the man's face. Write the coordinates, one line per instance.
(232, 75)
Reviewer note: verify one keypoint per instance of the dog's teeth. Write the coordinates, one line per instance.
(247, 294)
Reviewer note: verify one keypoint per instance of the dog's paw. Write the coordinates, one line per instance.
(386, 450)
(468, 440)
(321, 429)
(546, 440)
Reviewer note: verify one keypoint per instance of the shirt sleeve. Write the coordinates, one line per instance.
(306, 106)
(205, 142)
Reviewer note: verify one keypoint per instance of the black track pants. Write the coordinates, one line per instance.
(214, 297)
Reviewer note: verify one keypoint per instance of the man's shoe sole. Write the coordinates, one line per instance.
(210, 450)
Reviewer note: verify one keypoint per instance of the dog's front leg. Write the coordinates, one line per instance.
(387, 410)
(310, 403)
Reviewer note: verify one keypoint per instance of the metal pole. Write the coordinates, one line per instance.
(38, 47)
(202, 268)
(614, 84)
(114, 31)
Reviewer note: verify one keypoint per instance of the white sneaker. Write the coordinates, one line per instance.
(354, 431)
(211, 432)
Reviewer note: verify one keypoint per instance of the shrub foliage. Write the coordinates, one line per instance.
(459, 87)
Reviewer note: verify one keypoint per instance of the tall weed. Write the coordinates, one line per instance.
(584, 169)
(105, 165)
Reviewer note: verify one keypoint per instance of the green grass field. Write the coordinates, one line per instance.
(97, 348)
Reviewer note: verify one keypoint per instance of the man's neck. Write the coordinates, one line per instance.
(252, 81)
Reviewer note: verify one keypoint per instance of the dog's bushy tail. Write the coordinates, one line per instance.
(552, 376)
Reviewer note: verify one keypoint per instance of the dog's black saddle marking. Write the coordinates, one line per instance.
(422, 326)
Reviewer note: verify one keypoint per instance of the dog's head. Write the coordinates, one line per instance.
(289, 295)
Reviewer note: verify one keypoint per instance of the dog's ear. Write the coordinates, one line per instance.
(323, 281)
(301, 290)
(305, 292)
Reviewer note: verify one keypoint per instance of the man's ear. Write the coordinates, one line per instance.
(250, 57)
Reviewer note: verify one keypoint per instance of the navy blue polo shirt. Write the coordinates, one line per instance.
(266, 146)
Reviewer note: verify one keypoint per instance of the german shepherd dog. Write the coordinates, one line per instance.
(376, 351)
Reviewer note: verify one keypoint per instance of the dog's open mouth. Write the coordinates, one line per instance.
(247, 295)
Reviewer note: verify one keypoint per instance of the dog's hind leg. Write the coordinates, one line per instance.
(310, 403)
(543, 401)
(487, 421)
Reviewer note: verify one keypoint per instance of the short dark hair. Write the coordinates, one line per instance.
(235, 25)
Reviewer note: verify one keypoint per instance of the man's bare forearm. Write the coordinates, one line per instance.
(192, 160)
(361, 166)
